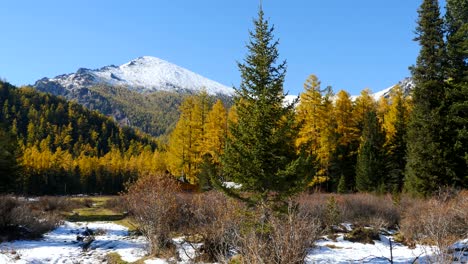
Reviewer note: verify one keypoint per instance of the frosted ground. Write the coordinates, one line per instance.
(61, 246)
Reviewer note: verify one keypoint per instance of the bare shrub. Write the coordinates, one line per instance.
(283, 238)
(369, 209)
(323, 207)
(216, 219)
(116, 203)
(20, 219)
(360, 209)
(35, 223)
(153, 205)
(438, 222)
(87, 202)
(7, 204)
(55, 203)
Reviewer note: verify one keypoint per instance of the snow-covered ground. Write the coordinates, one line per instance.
(343, 251)
(61, 246)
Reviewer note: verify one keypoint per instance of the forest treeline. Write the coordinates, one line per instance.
(52, 146)
(352, 144)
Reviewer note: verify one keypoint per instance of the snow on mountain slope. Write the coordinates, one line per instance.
(407, 84)
(144, 74)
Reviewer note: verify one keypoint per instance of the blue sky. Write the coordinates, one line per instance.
(350, 45)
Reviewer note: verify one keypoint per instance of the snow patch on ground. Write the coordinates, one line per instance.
(343, 251)
(232, 185)
(61, 245)
(186, 251)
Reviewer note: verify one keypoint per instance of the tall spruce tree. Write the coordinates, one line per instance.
(456, 24)
(427, 165)
(456, 21)
(260, 153)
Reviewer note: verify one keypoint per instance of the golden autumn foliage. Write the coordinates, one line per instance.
(200, 131)
(315, 137)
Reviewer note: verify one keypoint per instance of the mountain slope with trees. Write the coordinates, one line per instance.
(144, 93)
(61, 147)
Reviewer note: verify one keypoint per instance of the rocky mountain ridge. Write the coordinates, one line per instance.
(144, 75)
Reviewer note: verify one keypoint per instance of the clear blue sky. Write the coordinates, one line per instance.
(350, 45)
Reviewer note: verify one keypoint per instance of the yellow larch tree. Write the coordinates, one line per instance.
(216, 129)
(187, 141)
(346, 125)
(308, 115)
(314, 114)
(347, 140)
(363, 105)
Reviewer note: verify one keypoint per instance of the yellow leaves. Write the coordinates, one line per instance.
(310, 113)
(364, 103)
(216, 130)
(397, 100)
(198, 132)
(317, 180)
(346, 125)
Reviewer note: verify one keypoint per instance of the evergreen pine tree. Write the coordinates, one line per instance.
(456, 24)
(456, 20)
(427, 165)
(260, 153)
(8, 161)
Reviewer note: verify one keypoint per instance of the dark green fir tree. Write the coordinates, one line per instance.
(428, 166)
(9, 167)
(456, 20)
(260, 153)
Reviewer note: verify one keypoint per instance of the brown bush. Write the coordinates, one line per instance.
(360, 209)
(216, 219)
(281, 238)
(20, 219)
(7, 204)
(436, 221)
(55, 204)
(87, 202)
(35, 223)
(153, 205)
(369, 209)
(116, 203)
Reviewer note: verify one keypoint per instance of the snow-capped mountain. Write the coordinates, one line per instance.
(407, 84)
(144, 74)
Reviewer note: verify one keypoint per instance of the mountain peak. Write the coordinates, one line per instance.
(143, 74)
